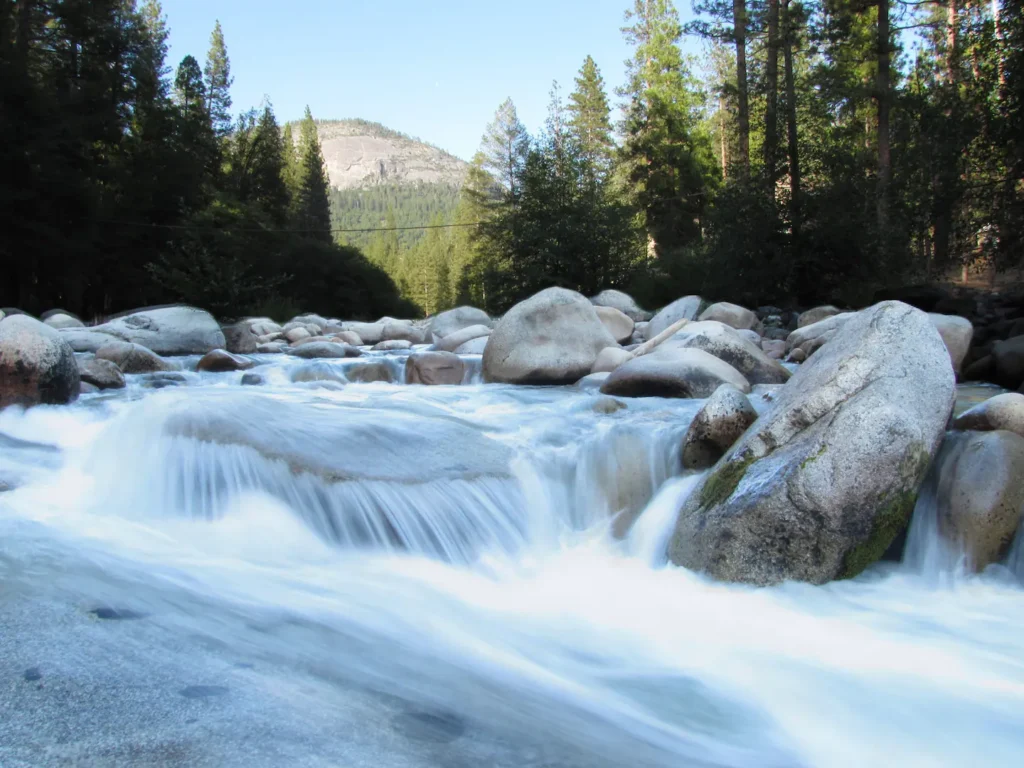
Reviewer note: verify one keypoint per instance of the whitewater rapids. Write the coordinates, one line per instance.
(384, 575)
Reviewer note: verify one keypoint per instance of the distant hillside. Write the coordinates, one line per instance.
(411, 204)
(362, 154)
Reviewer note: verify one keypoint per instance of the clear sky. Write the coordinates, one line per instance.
(435, 69)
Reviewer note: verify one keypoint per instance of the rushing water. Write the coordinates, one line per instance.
(321, 573)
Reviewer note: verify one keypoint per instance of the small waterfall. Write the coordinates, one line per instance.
(648, 540)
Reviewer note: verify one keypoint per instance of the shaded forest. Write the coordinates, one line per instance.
(818, 150)
(128, 183)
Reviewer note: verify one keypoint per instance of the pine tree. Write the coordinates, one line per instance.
(312, 207)
(218, 80)
(505, 146)
(667, 155)
(590, 116)
(291, 161)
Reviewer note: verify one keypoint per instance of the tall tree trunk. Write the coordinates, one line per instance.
(771, 113)
(943, 187)
(1000, 53)
(793, 147)
(721, 135)
(883, 97)
(739, 26)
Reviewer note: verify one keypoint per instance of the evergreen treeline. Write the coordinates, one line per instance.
(820, 151)
(410, 204)
(127, 184)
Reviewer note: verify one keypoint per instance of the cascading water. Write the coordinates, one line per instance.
(387, 575)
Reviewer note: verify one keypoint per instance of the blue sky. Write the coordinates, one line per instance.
(436, 70)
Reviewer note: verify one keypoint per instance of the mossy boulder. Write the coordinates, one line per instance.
(826, 478)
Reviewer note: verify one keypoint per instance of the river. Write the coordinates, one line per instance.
(331, 574)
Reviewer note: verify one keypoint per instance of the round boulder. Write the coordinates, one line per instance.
(60, 320)
(729, 345)
(172, 330)
(622, 302)
(980, 494)
(720, 423)
(733, 315)
(609, 359)
(619, 325)
(324, 349)
(673, 372)
(392, 345)
(220, 361)
(297, 333)
(1004, 412)
(553, 337)
(686, 308)
(102, 374)
(820, 486)
(239, 338)
(812, 316)
(434, 368)
(473, 346)
(956, 333)
(456, 339)
(133, 358)
(36, 365)
(447, 323)
(1008, 357)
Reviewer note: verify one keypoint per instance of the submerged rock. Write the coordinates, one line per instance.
(673, 372)
(324, 349)
(825, 480)
(370, 373)
(720, 423)
(553, 337)
(980, 494)
(434, 368)
(36, 365)
(1004, 411)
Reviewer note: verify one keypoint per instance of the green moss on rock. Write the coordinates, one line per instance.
(723, 480)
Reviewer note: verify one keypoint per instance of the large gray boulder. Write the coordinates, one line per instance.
(686, 308)
(727, 344)
(956, 333)
(733, 315)
(456, 339)
(622, 302)
(447, 323)
(434, 368)
(473, 346)
(1004, 411)
(173, 330)
(85, 339)
(401, 330)
(36, 365)
(980, 494)
(673, 372)
(822, 483)
(619, 325)
(101, 374)
(133, 358)
(553, 337)
(717, 425)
